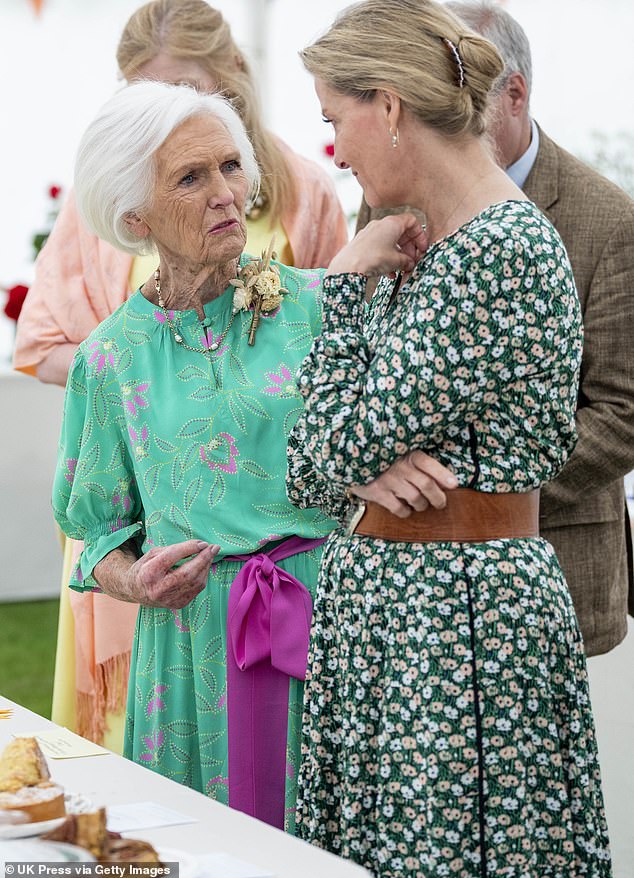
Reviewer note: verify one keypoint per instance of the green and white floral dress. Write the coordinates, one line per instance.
(447, 721)
(162, 444)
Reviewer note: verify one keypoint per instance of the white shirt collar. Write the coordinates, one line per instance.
(519, 170)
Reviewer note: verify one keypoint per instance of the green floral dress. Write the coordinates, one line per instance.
(447, 720)
(162, 444)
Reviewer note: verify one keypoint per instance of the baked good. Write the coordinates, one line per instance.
(84, 830)
(89, 831)
(22, 764)
(43, 801)
(25, 783)
(129, 850)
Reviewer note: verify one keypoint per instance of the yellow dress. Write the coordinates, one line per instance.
(259, 233)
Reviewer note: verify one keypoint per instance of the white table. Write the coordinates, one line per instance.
(112, 780)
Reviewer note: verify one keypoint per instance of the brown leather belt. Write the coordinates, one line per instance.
(469, 517)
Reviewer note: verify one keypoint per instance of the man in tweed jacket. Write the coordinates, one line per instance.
(583, 512)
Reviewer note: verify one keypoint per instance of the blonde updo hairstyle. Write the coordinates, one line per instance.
(398, 46)
(194, 31)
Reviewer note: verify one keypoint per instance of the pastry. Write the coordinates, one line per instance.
(22, 764)
(130, 850)
(43, 801)
(89, 831)
(84, 830)
(25, 783)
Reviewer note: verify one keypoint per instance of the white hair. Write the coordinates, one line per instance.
(507, 35)
(115, 166)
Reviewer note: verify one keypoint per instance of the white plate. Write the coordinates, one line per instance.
(68, 853)
(35, 850)
(75, 803)
(188, 864)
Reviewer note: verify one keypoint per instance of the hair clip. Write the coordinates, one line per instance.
(456, 54)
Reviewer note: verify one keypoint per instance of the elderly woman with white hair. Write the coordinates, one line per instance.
(172, 457)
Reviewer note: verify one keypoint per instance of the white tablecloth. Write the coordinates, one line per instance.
(111, 780)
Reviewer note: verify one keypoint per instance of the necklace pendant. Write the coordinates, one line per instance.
(214, 346)
(178, 338)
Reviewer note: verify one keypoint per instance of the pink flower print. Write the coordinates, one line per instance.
(290, 770)
(178, 623)
(79, 576)
(222, 446)
(119, 524)
(133, 397)
(121, 495)
(152, 743)
(156, 703)
(160, 316)
(213, 783)
(102, 354)
(221, 702)
(71, 466)
(282, 383)
(140, 440)
(208, 339)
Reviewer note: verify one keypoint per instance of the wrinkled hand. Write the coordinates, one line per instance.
(153, 580)
(411, 484)
(158, 583)
(394, 243)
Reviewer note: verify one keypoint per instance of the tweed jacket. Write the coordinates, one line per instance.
(583, 511)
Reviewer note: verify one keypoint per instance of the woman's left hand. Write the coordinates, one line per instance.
(411, 484)
(394, 243)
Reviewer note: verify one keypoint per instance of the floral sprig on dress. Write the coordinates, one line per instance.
(258, 286)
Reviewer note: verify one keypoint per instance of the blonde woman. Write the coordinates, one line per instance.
(447, 720)
(80, 280)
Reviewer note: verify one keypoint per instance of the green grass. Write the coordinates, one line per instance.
(28, 635)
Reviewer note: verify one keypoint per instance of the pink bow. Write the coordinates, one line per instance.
(268, 630)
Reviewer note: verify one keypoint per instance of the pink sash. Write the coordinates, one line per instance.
(268, 630)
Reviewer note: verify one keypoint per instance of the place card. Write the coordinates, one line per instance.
(144, 815)
(60, 743)
(226, 866)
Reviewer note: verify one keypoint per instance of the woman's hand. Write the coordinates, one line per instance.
(394, 243)
(411, 484)
(153, 580)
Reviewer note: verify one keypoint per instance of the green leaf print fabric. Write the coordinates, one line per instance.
(163, 444)
(447, 723)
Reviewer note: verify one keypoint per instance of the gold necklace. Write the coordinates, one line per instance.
(177, 336)
(470, 191)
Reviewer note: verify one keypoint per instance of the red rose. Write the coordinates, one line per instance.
(16, 297)
(329, 149)
(55, 191)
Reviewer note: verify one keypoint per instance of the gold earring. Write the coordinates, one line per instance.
(395, 138)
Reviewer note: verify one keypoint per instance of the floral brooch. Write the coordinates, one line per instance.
(258, 286)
